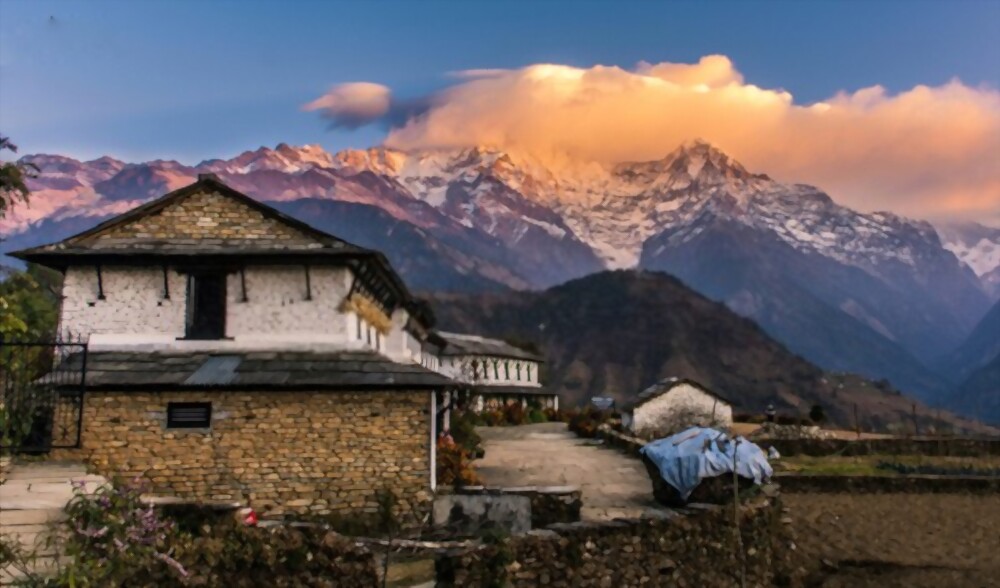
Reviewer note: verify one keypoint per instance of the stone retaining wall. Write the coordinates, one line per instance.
(549, 504)
(280, 452)
(943, 446)
(692, 547)
(912, 484)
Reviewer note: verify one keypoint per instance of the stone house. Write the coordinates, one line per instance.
(672, 404)
(236, 353)
(493, 373)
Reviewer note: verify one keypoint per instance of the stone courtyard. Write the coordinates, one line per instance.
(547, 454)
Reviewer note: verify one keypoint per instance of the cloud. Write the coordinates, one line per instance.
(353, 105)
(930, 151)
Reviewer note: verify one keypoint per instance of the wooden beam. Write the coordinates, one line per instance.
(100, 283)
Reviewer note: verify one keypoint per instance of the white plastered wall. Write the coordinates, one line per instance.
(683, 398)
(135, 314)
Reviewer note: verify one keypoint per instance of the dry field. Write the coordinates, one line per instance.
(911, 540)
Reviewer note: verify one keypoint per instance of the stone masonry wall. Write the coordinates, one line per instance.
(282, 452)
(206, 217)
(695, 548)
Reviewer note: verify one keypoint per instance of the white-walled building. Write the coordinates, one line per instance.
(222, 334)
(494, 372)
(672, 404)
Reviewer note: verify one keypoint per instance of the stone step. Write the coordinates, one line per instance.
(20, 471)
(34, 500)
(31, 517)
(53, 478)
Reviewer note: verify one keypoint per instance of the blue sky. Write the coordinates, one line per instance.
(192, 80)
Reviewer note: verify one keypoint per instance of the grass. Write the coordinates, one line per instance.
(408, 571)
(866, 465)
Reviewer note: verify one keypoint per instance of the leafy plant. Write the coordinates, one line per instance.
(113, 539)
(454, 466)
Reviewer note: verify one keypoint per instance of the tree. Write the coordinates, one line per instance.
(13, 178)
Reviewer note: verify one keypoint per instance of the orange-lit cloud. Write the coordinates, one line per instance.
(354, 104)
(926, 152)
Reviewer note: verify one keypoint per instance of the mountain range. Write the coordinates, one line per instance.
(870, 293)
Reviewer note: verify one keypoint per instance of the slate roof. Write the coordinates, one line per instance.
(666, 385)
(458, 344)
(256, 370)
(320, 242)
(513, 390)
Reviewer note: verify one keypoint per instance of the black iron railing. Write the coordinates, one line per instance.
(42, 385)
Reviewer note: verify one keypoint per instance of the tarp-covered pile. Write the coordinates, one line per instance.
(687, 458)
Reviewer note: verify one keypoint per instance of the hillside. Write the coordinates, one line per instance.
(979, 348)
(614, 333)
(980, 393)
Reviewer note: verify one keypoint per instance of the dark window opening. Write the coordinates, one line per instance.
(206, 309)
(189, 415)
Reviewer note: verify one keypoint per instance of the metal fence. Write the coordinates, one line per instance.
(42, 384)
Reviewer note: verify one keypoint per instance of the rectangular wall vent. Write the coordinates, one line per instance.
(189, 415)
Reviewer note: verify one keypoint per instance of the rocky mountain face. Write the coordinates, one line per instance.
(979, 348)
(615, 333)
(980, 393)
(875, 293)
(978, 247)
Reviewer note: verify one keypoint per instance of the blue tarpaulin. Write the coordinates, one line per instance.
(687, 458)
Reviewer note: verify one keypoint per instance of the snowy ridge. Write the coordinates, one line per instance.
(612, 209)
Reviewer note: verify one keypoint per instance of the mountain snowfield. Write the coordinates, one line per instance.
(873, 293)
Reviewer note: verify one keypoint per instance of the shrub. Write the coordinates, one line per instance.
(454, 466)
(514, 414)
(537, 416)
(817, 414)
(493, 418)
(584, 422)
(463, 431)
(112, 539)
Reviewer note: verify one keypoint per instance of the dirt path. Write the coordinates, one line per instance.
(546, 454)
(911, 540)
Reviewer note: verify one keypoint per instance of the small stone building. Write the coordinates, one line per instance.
(236, 353)
(493, 373)
(672, 404)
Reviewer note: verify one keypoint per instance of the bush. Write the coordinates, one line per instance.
(514, 414)
(463, 431)
(537, 416)
(112, 539)
(584, 422)
(817, 414)
(454, 466)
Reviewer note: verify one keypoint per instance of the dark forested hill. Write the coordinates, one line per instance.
(614, 333)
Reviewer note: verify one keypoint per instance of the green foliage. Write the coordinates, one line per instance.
(112, 539)
(584, 422)
(13, 178)
(463, 431)
(29, 303)
(29, 308)
(537, 416)
(499, 555)
(454, 466)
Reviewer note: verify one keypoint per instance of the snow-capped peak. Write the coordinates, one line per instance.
(283, 157)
